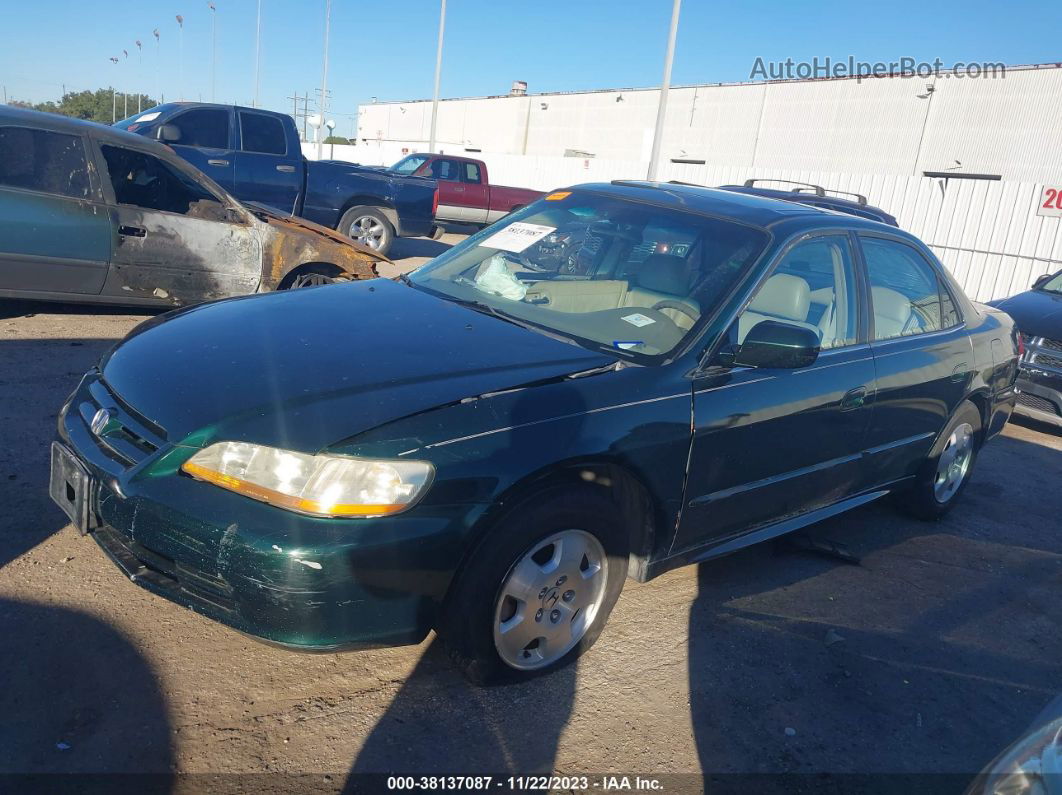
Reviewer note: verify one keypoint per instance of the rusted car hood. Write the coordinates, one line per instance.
(308, 368)
(296, 226)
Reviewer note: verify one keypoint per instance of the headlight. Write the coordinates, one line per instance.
(320, 485)
(1032, 766)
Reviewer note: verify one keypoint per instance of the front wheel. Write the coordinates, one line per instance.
(537, 592)
(946, 471)
(368, 226)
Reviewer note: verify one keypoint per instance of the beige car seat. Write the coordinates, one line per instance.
(892, 312)
(782, 297)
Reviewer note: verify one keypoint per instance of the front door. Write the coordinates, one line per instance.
(773, 443)
(55, 231)
(176, 241)
(206, 142)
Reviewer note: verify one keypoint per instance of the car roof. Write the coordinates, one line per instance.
(748, 209)
(833, 202)
(66, 124)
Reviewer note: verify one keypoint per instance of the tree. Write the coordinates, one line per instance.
(103, 105)
(336, 139)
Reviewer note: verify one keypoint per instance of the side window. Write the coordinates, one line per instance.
(904, 289)
(207, 128)
(142, 180)
(445, 170)
(813, 287)
(44, 161)
(261, 133)
(471, 173)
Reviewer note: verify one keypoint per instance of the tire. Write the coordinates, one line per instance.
(368, 226)
(935, 492)
(531, 552)
(316, 277)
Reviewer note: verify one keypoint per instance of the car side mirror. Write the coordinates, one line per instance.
(778, 345)
(1041, 281)
(168, 133)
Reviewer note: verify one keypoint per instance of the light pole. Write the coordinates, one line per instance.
(213, 50)
(324, 76)
(257, 53)
(438, 72)
(125, 94)
(180, 57)
(114, 97)
(158, 72)
(139, 72)
(661, 109)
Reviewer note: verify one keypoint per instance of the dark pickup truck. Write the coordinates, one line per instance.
(255, 155)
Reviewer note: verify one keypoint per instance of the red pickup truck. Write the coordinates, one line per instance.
(465, 193)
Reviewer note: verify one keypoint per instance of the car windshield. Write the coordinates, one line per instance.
(628, 277)
(409, 164)
(1053, 285)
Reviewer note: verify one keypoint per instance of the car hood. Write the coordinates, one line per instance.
(308, 368)
(1036, 313)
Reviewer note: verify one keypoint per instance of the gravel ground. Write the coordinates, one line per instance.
(929, 656)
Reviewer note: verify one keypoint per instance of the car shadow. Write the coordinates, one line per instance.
(38, 376)
(77, 699)
(12, 307)
(906, 672)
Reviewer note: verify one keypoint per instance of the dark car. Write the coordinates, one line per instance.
(816, 196)
(96, 215)
(1038, 315)
(727, 369)
(256, 155)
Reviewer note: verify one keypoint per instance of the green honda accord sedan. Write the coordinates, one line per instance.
(613, 381)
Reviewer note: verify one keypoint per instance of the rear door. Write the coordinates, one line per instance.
(452, 194)
(177, 241)
(266, 171)
(922, 355)
(55, 231)
(207, 143)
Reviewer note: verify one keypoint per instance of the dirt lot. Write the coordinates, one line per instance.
(929, 656)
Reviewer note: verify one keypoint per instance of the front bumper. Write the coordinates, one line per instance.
(1039, 394)
(307, 583)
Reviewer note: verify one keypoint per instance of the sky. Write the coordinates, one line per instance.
(387, 49)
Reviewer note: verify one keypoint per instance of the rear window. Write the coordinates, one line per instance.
(263, 134)
(44, 161)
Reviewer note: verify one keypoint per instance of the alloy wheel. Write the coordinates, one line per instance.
(311, 279)
(549, 599)
(954, 462)
(368, 231)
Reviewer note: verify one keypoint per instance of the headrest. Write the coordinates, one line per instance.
(784, 296)
(891, 304)
(664, 273)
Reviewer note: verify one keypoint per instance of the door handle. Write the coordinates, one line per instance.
(217, 162)
(459, 189)
(286, 169)
(132, 231)
(854, 398)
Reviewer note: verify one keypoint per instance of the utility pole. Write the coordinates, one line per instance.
(158, 79)
(257, 53)
(305, 114)
(661, 109)
(324, 78)
(114, 97)
(139, 73)
(438, 72)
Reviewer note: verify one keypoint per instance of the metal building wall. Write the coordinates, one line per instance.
(1011, 126)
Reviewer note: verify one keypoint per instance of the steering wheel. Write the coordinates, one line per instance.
(678, 306)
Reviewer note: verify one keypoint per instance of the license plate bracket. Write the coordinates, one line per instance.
(70, 487)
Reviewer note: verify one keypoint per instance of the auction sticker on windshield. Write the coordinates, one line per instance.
(516, 237)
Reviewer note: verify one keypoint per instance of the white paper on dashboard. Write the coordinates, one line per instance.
(516, 237)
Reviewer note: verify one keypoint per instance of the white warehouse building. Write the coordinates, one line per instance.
(1007, 126)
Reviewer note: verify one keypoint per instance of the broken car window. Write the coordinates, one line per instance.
(44, 161)
(142, 180)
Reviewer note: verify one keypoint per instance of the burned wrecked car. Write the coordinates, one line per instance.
(93, 214)
(721, 369)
